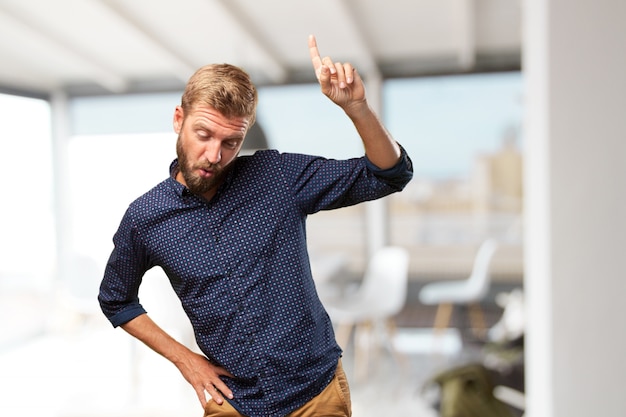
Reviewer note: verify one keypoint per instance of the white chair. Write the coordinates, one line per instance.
(470, 291)
(380, 296)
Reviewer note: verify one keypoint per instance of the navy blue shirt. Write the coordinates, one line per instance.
(239, 265)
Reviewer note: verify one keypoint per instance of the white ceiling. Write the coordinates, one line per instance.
(117, 46)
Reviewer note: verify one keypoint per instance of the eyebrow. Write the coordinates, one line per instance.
(204, 126)
(235, 137)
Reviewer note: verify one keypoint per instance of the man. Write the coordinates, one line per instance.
(229, 232)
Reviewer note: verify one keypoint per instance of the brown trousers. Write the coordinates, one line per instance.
(334, 401)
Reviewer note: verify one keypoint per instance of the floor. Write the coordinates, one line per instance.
(84, 369)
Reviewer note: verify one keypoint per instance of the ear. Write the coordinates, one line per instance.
(179, 116)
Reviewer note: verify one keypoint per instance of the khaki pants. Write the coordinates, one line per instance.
(334, 401)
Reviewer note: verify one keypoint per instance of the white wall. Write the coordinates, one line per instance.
(575, 66)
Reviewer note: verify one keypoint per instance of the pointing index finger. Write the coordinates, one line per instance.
(316, 60)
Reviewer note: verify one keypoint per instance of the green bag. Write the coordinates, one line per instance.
(467, 391)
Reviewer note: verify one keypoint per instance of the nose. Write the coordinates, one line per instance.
(213, 152)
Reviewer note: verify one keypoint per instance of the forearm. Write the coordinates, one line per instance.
(194, 367)
(147, 331)
(381, 149)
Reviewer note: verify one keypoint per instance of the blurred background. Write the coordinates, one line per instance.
(508, 144)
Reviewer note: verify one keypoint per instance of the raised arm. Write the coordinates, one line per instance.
(343, 85)
(196, 369)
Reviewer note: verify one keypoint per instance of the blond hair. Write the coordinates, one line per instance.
(226, 88)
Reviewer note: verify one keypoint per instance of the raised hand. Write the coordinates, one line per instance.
(339, 82)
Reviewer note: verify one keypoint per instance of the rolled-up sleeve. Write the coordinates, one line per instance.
(397, 176)
(118, 296)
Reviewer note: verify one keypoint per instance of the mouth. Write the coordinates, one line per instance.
(205, 172)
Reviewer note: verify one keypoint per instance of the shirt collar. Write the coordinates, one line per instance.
(179, 188)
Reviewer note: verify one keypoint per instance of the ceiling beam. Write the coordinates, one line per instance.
(277, 69)
(183, 67)
(367, 64)
(101, 73)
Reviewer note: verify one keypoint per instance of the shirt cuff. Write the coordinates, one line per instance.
(401, 167)
(127, 315)
(401, 172)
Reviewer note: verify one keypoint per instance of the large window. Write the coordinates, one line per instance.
(464, 136)
(461, 132)
(27, 245)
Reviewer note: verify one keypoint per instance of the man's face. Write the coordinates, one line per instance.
(207, 144)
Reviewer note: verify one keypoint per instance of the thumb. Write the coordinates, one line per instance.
(356, 75)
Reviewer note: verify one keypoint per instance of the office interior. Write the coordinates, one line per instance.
(549, 190)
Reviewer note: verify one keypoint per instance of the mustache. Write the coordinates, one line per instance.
(207, 166)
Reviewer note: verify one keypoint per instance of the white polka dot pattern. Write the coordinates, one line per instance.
(240, 267)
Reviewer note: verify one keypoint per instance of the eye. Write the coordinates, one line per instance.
(231, 144)
(202, 134)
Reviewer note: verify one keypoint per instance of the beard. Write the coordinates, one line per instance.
(195, 183)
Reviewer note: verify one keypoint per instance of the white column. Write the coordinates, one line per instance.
(575, 178)
(60, 136)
